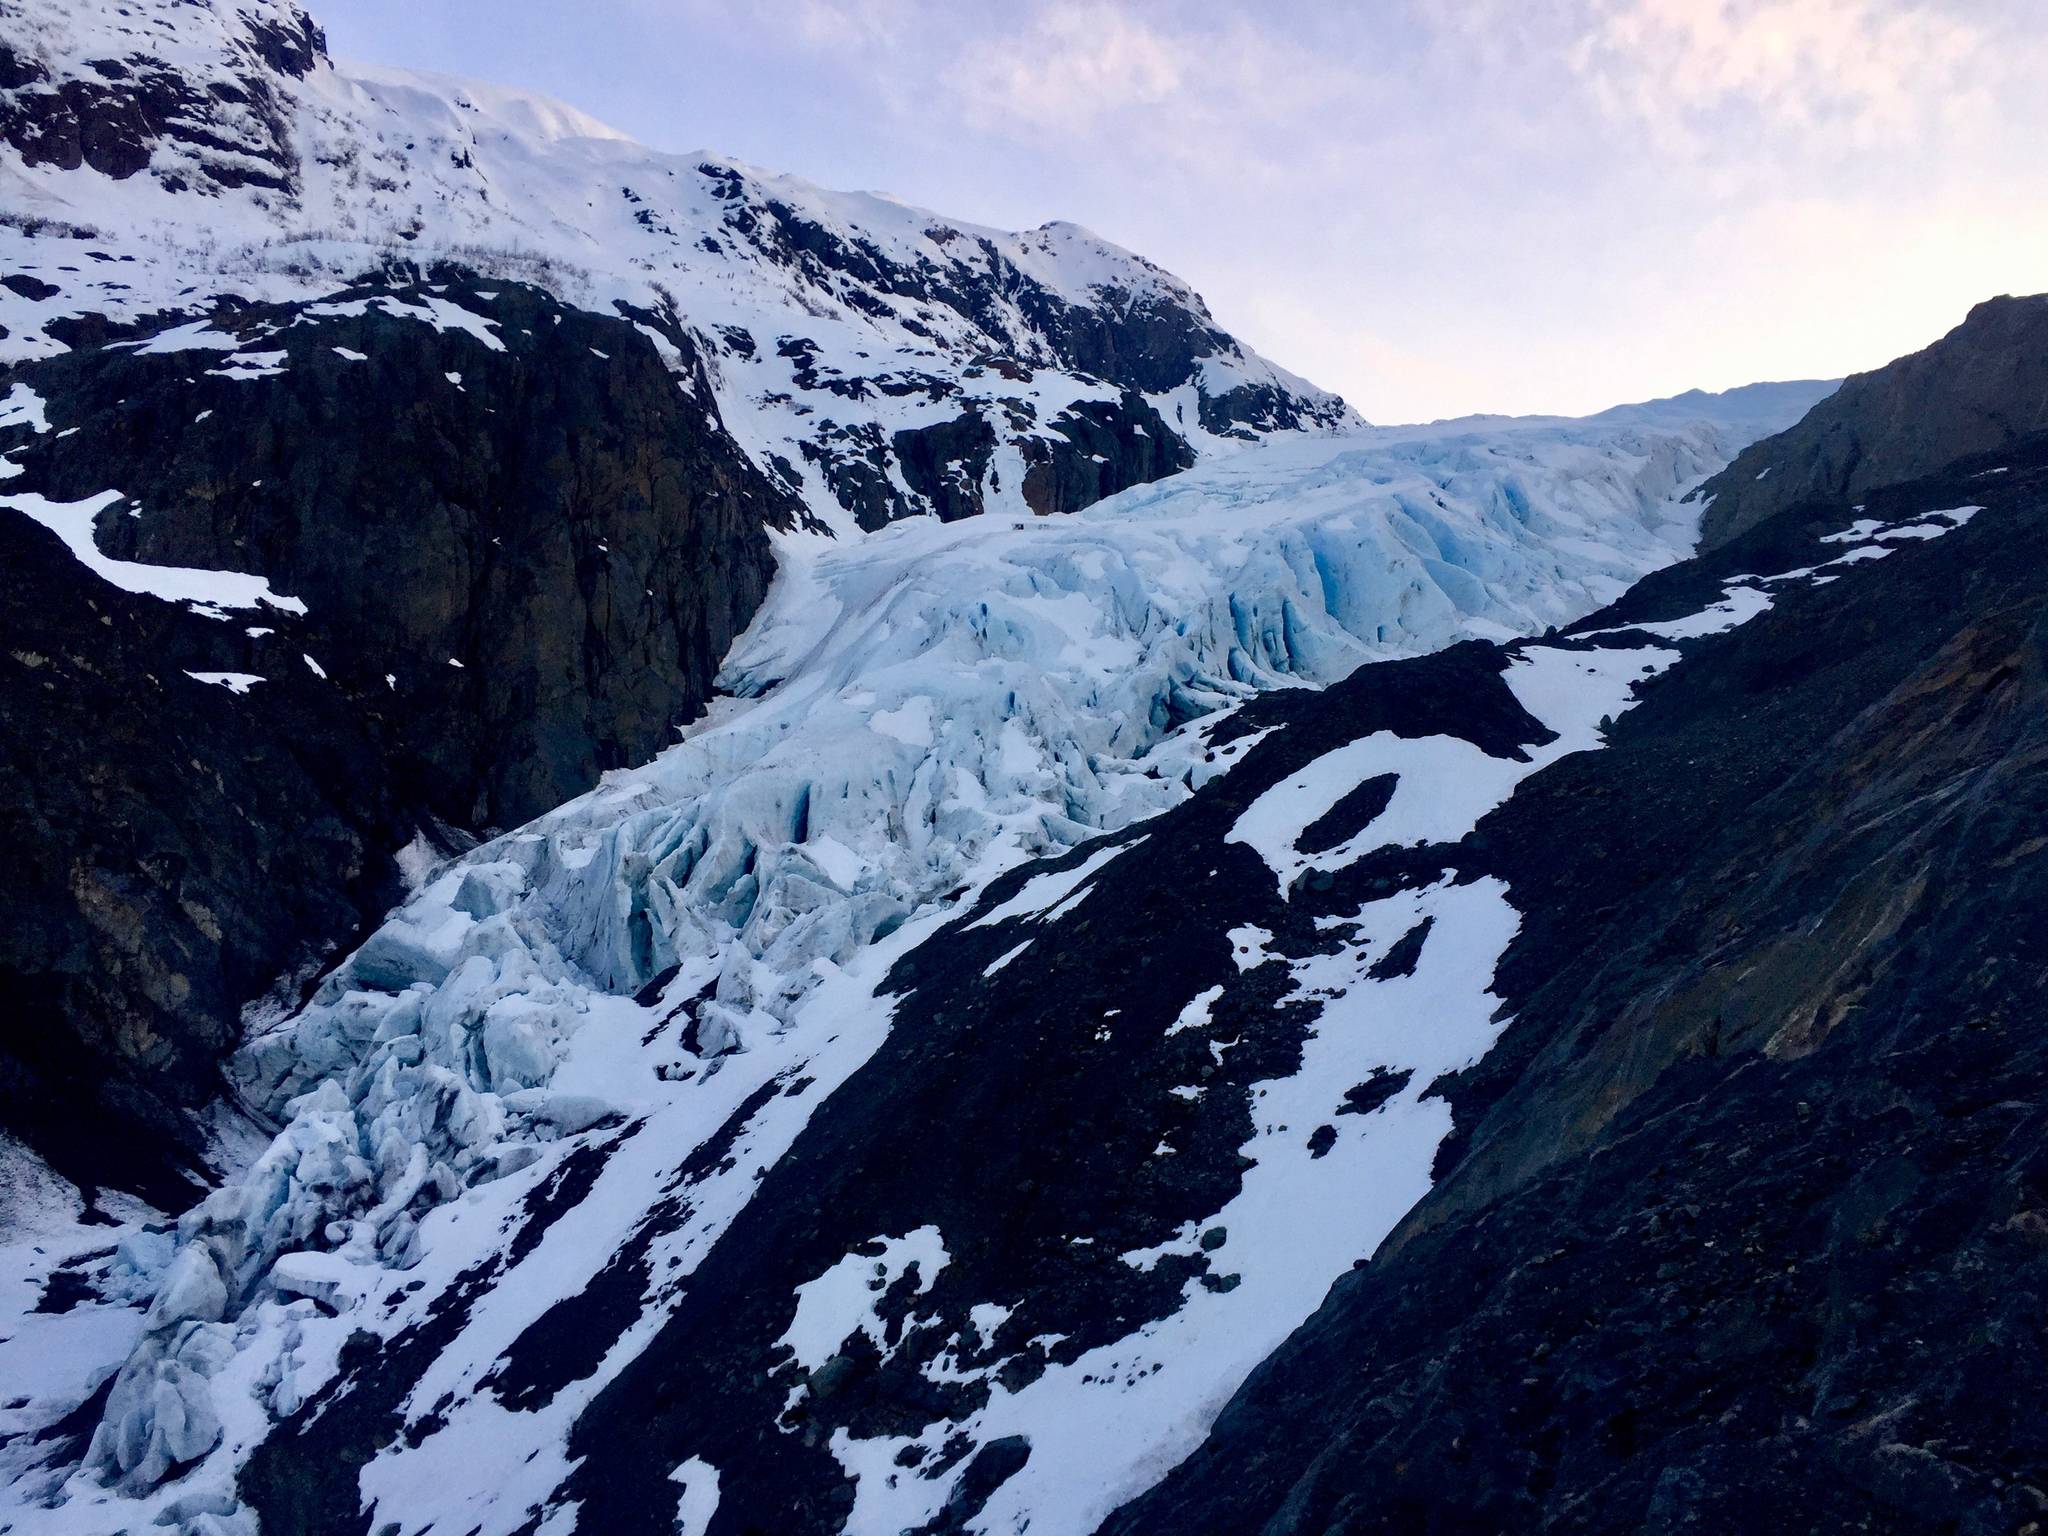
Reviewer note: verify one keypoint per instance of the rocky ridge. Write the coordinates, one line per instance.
(877, 360)
(1981, 388)
(1742, 1221)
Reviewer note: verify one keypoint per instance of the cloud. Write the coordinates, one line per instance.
(1212, 91)
(1071, 67)
(849, 26)
(1842, 75)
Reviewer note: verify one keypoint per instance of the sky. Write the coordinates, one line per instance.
(1435, 207)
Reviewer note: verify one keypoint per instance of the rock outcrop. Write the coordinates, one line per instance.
(1982, 387)
(198, 100)
(521, 547)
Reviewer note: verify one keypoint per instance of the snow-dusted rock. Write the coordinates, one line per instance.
(880, 359)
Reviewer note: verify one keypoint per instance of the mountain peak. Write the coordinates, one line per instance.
(874, 358)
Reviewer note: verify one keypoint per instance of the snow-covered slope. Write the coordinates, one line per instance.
(563, 1067)
(878, 358)
(698, 947)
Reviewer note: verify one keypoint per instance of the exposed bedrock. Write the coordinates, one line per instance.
(522, 545)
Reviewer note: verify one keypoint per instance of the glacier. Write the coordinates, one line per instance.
(912, 713)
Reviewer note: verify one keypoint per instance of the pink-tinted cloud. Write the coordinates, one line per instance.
(1434, 206)
(1841, 74)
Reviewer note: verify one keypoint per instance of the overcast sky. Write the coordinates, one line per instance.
(1433, 206)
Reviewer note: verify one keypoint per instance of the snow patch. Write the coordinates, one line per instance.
(234, 682)
(841, 1301)
(216, 590)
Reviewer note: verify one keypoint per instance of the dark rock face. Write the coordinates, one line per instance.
(1981, 387)
(1253, 408)
(1140, 342)
(1100, 447)
(547, 547)
(1147, 344)
(222, 119)
(1109, 447)
(521, 565)
(178, 850)
(945, 464)
(856, 472)
(1097, 448)
(1746, 1222)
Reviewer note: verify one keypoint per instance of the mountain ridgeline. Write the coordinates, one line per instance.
(517, 519)
(703, 855)
(1980, 389)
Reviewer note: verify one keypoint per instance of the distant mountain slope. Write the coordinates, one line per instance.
(1756, 410)
(1982, 387)
(876, 359)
